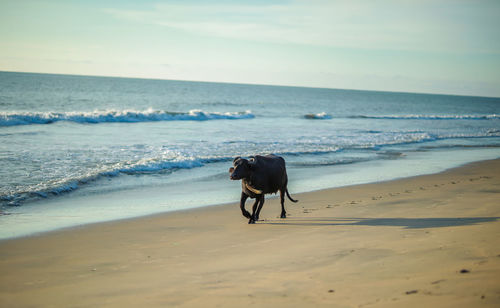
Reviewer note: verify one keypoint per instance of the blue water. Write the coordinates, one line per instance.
(76, 149)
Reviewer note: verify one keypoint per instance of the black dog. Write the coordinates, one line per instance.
(260, 175)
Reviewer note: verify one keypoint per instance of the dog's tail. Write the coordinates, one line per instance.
(288, 195)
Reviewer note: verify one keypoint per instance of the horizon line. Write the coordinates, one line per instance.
(248, 83)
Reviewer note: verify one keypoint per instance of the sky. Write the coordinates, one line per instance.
(437, 46)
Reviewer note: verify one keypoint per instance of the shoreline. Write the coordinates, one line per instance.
(427, 239)
(78, 211)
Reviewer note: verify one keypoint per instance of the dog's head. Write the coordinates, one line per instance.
(242, 168)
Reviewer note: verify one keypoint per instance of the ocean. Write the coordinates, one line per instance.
(78, 149)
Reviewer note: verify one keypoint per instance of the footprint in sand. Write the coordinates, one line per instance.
(309, 210)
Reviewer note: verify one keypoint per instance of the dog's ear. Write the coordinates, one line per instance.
(252, 163)
(236, 159)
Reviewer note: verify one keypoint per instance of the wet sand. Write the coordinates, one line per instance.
(429, 240)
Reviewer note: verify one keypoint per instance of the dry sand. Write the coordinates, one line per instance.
(429, 241)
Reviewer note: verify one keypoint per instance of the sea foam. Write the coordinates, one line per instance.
(107, 116)
(428, 117)
(160, 164)
(71, 183)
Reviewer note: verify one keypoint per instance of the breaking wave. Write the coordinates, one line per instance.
(301, 149)
(428, 117)
(64, 185)
(317, 116)
(128, 116)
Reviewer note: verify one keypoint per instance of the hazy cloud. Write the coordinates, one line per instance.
(433, 26)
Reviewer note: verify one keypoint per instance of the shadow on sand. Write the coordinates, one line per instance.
(408, 223)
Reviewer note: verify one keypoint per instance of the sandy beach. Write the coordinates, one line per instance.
(424, 241)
